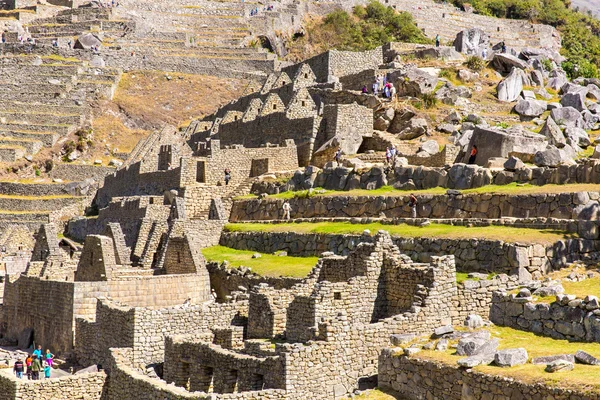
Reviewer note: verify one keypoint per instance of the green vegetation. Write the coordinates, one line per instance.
(580, 32)
(429, 100)
(266, 265)
(511, 188)
(475, 63)
(586, 377)
(504, 233)
(366, 28)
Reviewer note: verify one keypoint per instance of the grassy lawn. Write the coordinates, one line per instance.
(267, 265)
(584, 377)
(506, 234)
(511, 188)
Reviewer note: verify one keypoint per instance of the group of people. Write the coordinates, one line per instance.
(34, 364)
(390, 154)
(383, 86)
(254, 11)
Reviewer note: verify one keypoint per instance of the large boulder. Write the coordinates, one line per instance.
(443, 52)
(504, 63)
(415, 83)
(553, 132)
(511, 357)
(511, 87)
(577, 136)
(472, 346)
(558, 78)
(400, 120)
(450, 94)
(87, 41)
(416, 127)
(496, 143)
(463, 176)
(567, 116)
(530, 108)
(472, 41)
(550, 157)
(513, 164)
(575, 100)
(431, 147)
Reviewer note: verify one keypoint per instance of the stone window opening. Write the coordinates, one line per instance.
(235, 117)
(257, 382)
(337, 295)
(230, 382)
(178, 258)
(205, 380)
(498, 28)
(274, 106)
(151, 200)
(306, 75)
(185, 373)
(303, 103)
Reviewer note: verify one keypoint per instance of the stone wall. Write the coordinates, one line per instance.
(579, 205)
(475, 296)
(83, 386)
(414, 379)
(71, 172)
(472, 255)
(571, 319)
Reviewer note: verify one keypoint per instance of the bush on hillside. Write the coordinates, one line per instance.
(366, 28)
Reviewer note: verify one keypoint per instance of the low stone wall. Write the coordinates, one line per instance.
(475, 296)
(70, 172)
(472, 255)
(128, 383)
(580, 205)
(225, 280)
(416, 379)
(575, 320)
(85, 386)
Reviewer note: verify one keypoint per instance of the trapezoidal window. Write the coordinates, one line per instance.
(274, 106)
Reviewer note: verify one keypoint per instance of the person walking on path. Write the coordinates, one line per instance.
(49, 357)
(338, 155)
(47, 370)
(18, 368)
(36, 367)
(28, 362)
(388, 155)
(286, 210)
(473, 155)
(227, 176)
(437, 40)
(38, 352)
(413, 205)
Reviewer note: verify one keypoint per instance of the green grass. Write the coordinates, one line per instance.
(504, 233)
(582, 288)
(512, 188)
(584, 377)
(267, 265)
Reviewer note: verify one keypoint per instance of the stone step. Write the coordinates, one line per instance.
(35, 88)
(30, 146)
(102, 79)
(61, 129)
(33, 117)
(47, 138)
(52, 106)
(34, 216)
(37, 203)
(11, 153)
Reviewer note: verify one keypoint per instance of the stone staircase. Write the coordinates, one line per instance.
(44, 99)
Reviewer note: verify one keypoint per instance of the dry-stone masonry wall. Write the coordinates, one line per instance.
(582, 205)
(566, 318)
(422, 379)
(83, 386)
(472, 255)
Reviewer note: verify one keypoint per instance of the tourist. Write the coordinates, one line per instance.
(393, 152)
(49, 357)
(28, 362)
(375, 87)
(388, 155)
(413, 205)
(386, 90)
(364, 89)
(437, 40)
(338, 155)
(70, 44)
(380, 83)
(36, 367)
(473, 155)
(503, 47)
(38, 352)
(47, 370)
(18, 369)
(286, 210)
(227, 176)
(392, 92)
(484, 54)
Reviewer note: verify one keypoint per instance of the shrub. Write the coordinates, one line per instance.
(429, 100)
(475, 63)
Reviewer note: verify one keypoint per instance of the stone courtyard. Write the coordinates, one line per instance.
(464, 265)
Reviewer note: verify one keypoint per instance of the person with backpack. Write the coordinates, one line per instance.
(437, 40)
(338, 155)
(473, 155)
(28, 362)
(227, 176)
(286, 210)
(36, 367)
(18, 368)
(413, 205)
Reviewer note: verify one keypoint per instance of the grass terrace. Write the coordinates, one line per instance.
(511, 189)
(503, 233)
(376, 394)
(584, 377)
(266, 265)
